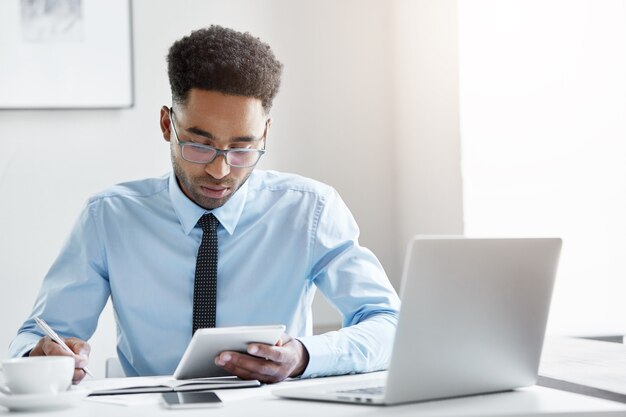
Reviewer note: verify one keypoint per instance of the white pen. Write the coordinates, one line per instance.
(49, 332)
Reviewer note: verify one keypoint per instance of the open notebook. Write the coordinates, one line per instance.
(146, 384)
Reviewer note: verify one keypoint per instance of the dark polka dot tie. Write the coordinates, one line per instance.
(205, 284)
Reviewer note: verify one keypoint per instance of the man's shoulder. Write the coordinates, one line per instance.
(143, 188)
(287, 182)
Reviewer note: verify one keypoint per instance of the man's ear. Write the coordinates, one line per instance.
(165, 123)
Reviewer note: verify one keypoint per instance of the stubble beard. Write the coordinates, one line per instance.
(190, 185)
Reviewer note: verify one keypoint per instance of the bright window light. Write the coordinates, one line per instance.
(543, 131)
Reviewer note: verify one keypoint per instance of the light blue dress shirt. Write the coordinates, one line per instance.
(280, 237)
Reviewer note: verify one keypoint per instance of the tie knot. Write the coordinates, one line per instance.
(208, 222)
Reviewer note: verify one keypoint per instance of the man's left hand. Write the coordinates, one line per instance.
(269, 364)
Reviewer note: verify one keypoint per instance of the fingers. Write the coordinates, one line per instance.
(38, 349)
(78, 376)
(52, 348)
(81, 348)
(48, 347)
(78, 346)
(271, 353)
(250, 367)
(288, 351)
(284, 339)
(267, 363)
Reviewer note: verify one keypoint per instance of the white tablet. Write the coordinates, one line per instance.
(206, 344)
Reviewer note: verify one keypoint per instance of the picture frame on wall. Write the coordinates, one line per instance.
(65, 54)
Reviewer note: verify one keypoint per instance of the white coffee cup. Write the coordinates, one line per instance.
(38, 374)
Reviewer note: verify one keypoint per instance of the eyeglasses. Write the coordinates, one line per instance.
(205, 154)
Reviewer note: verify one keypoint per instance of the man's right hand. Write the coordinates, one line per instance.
(81, 349)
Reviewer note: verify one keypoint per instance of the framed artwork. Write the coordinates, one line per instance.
(65, 54)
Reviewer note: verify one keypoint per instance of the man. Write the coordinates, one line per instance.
(216, 243)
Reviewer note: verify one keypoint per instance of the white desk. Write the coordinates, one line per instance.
(259, 402)
(584, 366)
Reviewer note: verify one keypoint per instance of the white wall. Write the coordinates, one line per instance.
(332, 121)
(426, 119)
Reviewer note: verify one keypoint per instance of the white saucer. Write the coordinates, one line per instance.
(25, 402)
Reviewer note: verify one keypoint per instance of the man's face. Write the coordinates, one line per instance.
(223, 122)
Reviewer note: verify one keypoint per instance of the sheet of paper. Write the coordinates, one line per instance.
(127, 400)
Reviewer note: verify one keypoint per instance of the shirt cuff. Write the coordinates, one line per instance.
(317, 350)
(325, 357)
(22, 344)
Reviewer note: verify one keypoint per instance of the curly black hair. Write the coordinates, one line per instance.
(223, 60)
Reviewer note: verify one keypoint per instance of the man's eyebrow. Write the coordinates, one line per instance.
(205, 134)
(245, 139)
(199, 132)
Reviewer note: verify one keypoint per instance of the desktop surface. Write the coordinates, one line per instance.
(260, 402)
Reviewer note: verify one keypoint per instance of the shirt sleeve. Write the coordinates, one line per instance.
(74, 291)
(354, 282)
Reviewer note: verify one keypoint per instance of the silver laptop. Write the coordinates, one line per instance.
(473, 318)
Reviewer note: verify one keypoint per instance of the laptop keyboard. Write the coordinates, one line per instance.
(380, 390)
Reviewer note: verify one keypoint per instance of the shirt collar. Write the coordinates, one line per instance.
(189, 212)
